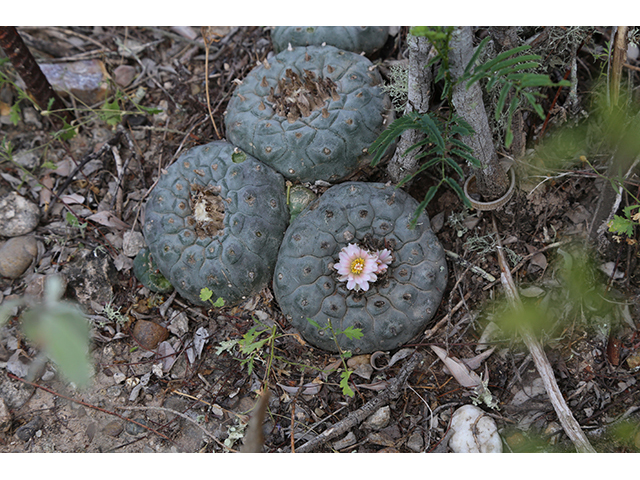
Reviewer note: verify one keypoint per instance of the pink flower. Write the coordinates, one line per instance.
(383, 260)
(357, 267)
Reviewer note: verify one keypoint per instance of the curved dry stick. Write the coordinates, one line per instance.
(358, 416)
(567, 420)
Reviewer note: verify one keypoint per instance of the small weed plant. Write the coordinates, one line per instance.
(510, 71)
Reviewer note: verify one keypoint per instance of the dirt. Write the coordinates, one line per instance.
(183, 391)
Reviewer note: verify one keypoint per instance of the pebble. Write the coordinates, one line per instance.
(5, 416)
(25, 432)
(124, 75)
(415, 443)
(474, 432)
(149, 334)
(84, 79)
(18, 216)
(347, 441)
(379, 419)
(132, 242)
(113, 428)
(16, 255)
(134, 429)
(89, 277)
(26, 159)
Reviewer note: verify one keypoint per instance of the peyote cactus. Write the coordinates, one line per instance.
(310, 113)
(354, 39)
(354, 234)
(216, 219)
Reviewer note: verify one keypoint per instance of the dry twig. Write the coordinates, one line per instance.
(569, 423)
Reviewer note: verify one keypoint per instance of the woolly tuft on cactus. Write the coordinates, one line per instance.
(399, 301)
(216, 219)
(310, 113)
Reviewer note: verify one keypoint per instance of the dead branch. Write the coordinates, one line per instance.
(569, 423)
(358, 416)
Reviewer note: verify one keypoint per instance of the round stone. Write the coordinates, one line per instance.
(18, 216)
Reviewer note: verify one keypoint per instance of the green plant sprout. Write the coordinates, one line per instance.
(351, 333)
(73, 221)
(206, 294)
(625, 225)
(510, 71)
(59, 328)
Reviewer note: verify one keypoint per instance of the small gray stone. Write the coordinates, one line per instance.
(16, 255)
(26, 159)
(18, 215)
(134, 429)
(28, 430)
(379, 419)
(415, 443)
(5, 416)
(347, 441)
(132, 242)
(113, 428)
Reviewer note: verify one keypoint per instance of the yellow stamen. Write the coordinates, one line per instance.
(357, 265)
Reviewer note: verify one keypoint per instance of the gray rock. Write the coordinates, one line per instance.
(113, 428)
(89, 277)
(379, 419)
(132, 242)
(347, 441)
(415, 443)
(16, 254)
(25, 432)
(18, 215)
(5, 416)
(26, 159)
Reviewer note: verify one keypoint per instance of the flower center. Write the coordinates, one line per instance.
(357, 266)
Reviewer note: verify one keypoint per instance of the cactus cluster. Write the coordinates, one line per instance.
(216, 219)
(404, 296)
(219, 216)
(310, 112)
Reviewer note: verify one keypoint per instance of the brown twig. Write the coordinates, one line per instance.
(358, 416)
(88, 405)
(207, 42)
(569, 423)
(30, 72)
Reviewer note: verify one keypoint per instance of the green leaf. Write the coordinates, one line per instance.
(344, 383)
(432, 130)
(62, 331)
(314, 323)
(502, 99)
(523, 59)
(110, 112)
(421, 207)
(452, 163)
(14, 114)
(621, 226)
(205, 294)
(456, 188)
(353, 333)
(475, 55)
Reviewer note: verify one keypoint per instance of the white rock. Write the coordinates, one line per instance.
(474, 432)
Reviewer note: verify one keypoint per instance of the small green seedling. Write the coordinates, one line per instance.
(625, 225)
(351, 333)
(206, 294)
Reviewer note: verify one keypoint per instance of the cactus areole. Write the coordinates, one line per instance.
(216, 219)
(351, 258)
(310, 113)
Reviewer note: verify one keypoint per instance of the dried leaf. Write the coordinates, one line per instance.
(167, 355)
(375, 386)
(307, 389)
(108, 219)
(459, 370)
(401, 355)
(476, 361)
